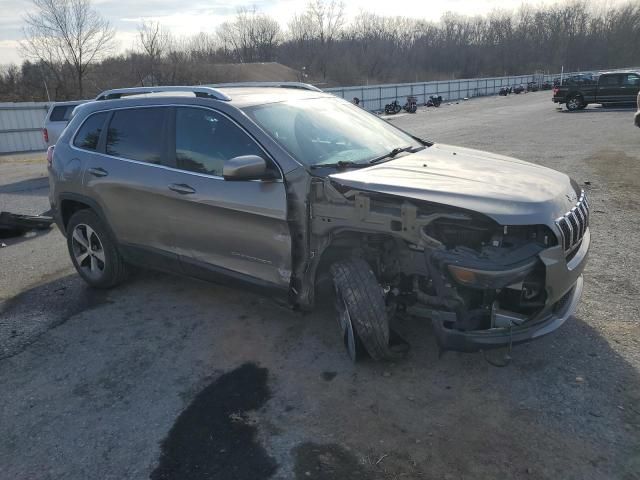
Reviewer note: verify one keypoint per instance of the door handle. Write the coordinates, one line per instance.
(182, 189)
(98, 172)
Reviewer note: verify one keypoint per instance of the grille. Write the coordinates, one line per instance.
(574, 223)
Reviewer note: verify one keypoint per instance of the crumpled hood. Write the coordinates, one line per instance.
(510, 191)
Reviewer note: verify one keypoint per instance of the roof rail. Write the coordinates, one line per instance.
(300, 85)
(200, 91)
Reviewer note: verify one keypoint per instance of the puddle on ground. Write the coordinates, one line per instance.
(213, 438)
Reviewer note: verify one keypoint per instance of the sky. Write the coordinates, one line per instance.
(194, 16)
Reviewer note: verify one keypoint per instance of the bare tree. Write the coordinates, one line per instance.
(70, 32)
(154, 41)
(325, 19)
(251, 37)
(372, 48)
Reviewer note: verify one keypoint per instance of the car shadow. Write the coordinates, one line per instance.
(10, 240)
(31, 187)
(601, 109)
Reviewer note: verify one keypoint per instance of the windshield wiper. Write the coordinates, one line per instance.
(394, 152)
(340, 164)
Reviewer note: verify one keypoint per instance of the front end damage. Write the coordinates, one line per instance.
(481, 284)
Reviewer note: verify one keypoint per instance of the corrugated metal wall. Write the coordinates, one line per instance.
(21, 126)
(375, 97)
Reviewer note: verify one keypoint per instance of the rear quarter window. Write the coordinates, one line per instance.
(61, 113)
(89, 133)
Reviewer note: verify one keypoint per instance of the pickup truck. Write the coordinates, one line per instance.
(612, 88)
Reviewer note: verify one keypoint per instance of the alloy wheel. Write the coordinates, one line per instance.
(88, 251)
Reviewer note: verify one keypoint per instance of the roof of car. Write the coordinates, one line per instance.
(249, 96)
(610, 72)
(240, 97)
(68, 103)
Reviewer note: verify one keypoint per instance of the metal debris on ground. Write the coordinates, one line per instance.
(13, 224)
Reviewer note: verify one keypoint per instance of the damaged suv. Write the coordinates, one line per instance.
(282, 186)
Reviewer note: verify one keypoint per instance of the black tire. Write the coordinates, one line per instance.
(357, 287)
(573, 103)
(102, 251)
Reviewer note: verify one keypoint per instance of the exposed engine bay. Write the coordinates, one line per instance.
(458, 268)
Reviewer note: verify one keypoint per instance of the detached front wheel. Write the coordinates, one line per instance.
(362, 313)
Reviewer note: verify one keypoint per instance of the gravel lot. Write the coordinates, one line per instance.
(166, 377)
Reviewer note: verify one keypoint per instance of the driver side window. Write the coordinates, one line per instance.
(205, 140)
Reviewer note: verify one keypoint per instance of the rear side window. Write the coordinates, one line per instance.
(61, 113)
(206, 139)
(138, 134)
(609, 80)
(89, 134)
(631, 80)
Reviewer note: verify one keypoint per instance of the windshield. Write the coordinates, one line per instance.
(330, 131)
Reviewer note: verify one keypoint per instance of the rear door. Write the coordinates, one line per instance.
(238, 228)
(609, 88)
(629, 87)
(131, 177)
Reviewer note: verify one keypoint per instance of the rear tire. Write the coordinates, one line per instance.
(574, 103)
(93, 251)
(361, 306)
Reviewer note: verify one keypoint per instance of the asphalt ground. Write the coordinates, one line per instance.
(172, 378)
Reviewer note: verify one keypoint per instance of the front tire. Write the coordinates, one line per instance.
(93, 251)
(362, 312)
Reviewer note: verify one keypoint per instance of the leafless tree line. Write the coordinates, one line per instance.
(330, 50)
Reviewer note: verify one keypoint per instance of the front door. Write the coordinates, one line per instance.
(233, 227)
(629, 87)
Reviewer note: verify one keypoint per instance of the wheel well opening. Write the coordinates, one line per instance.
(343, 245)
(69, 207)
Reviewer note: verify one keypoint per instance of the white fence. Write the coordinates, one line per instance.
(375, 97)
(21, 126)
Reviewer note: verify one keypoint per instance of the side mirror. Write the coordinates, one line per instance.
(246, 167)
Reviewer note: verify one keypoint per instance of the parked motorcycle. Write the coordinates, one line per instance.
(392, 108)
(434, 101)
(517, 89)
(504, 91)
(411, 105)
(532, 87)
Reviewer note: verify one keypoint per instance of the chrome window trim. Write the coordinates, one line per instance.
(197, 174)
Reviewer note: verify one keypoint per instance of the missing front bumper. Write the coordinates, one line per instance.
(472, 341)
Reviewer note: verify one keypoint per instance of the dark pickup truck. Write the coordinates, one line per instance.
(615, 88)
